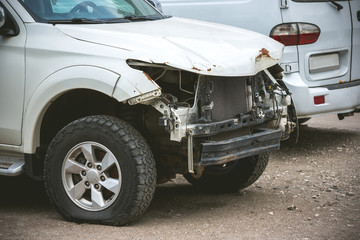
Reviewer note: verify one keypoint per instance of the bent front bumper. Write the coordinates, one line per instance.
(220, 152)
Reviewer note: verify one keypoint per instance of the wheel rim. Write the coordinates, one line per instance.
(91, 176)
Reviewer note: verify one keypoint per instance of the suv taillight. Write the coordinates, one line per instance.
(291, 34)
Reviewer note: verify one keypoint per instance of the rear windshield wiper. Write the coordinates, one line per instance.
(76, 21)
(339, 6)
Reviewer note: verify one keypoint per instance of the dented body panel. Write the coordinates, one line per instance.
(195, 46)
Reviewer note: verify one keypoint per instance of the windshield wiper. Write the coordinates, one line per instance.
(76, 21)
(339, 6)
(116, 20)
(141, 18)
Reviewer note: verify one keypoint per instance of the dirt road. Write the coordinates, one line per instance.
(310, 190)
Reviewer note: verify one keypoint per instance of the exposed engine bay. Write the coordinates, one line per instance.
(212, 120)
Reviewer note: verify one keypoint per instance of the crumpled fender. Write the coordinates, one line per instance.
(76, 77)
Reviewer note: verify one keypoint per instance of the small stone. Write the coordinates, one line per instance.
(314, 196)
(309, 219)
(291, 208)
(271, 213)
(317, 215)
(350, 194)
(241, 193)
(332, 203)
(349, 225)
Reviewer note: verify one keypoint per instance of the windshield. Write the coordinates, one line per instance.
(95, 11)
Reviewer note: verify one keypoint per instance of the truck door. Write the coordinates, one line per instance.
(12, 79)
(355, 61)
(328, 60)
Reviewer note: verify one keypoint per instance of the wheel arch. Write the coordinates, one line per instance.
(65, 81)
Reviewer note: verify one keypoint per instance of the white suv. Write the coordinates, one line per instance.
(104, 98)
(322, 45)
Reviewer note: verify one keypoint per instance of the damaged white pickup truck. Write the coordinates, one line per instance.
(104, 98)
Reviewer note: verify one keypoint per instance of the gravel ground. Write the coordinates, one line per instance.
(310, 190)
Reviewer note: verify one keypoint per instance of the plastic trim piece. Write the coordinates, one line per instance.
(343, 85)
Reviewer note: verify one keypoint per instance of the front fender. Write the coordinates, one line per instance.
(75, 77)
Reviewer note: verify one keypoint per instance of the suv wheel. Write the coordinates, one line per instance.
(231, 176)
(99, 169)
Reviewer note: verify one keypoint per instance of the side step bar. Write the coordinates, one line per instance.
(11, 166)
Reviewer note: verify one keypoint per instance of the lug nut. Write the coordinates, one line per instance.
(96, 186)
(102, 178)
(87, 183)
(98, 167)
(89, 165)
(83, 173)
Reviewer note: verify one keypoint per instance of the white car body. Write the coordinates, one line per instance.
(103, 52)
(338, 44)
(90, 103)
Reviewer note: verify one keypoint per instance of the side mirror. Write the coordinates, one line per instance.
(10, 29)
(2, 17)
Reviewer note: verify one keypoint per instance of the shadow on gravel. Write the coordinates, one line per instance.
(177, 202)
(24, 194)
(312, 140)
(21, 191)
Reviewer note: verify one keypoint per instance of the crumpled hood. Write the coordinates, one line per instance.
(204, 48)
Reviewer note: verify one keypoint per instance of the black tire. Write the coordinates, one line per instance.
(127, 184)
(232, 176)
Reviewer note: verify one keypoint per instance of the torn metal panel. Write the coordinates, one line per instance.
(144, 98)
(136, 87)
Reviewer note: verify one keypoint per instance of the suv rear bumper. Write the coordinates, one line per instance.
(339, 98)
(220, 152)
